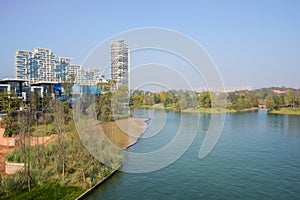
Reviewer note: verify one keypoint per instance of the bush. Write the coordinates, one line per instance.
(15, 156)
(11, 131)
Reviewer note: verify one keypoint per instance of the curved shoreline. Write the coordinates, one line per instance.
(87, 192)
(90, 190)
(139, 137)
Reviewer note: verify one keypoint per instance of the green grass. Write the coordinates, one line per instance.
(42, 130)
(218, 110)
(286, 111)
(48, 191)
(200, 110)
(156, 106)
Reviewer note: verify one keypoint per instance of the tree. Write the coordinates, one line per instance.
(103, 107)
(289, 98)
(59, 126)
(281, 101)
(297, 98)
(24, 124)
(270, 103)
(161, 95)
(120, 101)
(67, 85)
(136, 101)
(205, 100)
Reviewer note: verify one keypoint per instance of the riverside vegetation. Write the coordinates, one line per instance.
(60, 169)
(287, 102)
(63, 169)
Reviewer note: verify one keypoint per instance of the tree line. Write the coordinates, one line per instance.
(181, 100)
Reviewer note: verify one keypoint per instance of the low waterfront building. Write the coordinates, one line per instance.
(14, 86)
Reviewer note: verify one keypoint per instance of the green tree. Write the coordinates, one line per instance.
(270, 103)
(23, 121)
(120, 101)
(289, 98)
(205, 100)
(297, 98)
(281, 101)
(67, 85)
(59, 126)
(136, 101)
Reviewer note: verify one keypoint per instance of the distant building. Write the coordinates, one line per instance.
(73, 72)
(89, 76)
(43, 65)
(120, 62)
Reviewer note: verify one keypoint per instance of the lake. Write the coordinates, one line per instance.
(256, 157)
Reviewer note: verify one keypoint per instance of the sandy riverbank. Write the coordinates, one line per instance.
(124, 132)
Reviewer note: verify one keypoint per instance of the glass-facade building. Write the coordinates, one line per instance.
(42, 65)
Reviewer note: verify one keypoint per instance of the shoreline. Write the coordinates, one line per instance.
(201, 110)
(124, 132)
(132, 143)
(286, 111)
(145, 120)
(87, 192)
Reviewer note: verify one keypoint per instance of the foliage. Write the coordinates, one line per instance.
(65, 161)
(8, 102)
(52, 190)
(270, 102)
(180, 100)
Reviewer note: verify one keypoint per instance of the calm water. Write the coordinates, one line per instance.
(256, 157)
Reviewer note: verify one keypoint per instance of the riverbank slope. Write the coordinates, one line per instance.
(123, 133)
(200, 110)
(286, 111)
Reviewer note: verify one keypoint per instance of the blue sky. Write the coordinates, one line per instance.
(253, 42)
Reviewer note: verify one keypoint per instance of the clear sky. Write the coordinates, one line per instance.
(254, 42)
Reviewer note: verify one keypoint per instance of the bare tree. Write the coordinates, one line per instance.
(23, 123)
(59, 126)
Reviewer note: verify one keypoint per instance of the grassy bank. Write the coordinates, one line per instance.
(81, 171)
(200, 110)
(66, 162)
(286, 111)
(48, 191)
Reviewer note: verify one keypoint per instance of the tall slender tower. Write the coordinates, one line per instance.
(120, 62)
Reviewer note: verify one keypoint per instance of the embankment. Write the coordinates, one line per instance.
(122, 133)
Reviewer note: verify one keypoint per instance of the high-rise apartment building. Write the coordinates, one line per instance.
(120, 62)
(43, 65)
(22, 63)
